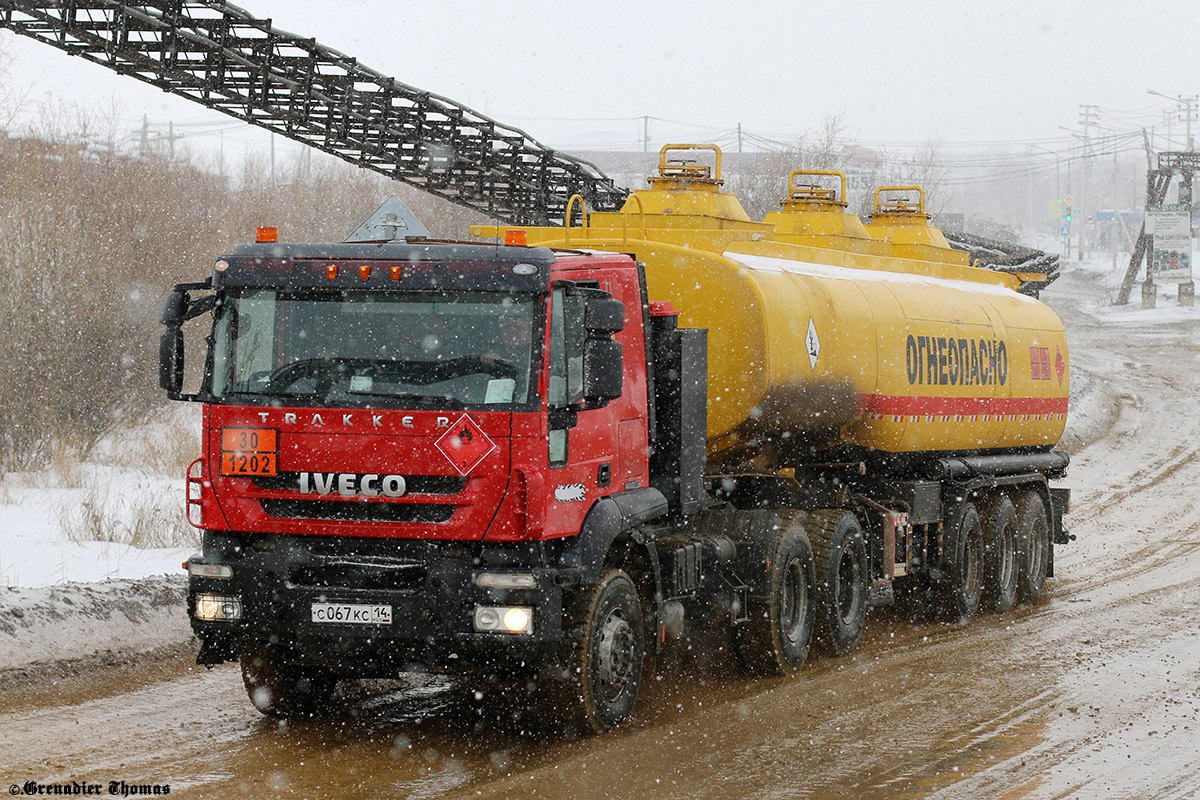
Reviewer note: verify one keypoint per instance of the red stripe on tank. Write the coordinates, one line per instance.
(897, 405)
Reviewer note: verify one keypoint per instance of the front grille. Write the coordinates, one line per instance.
(349, 511)
(414, 484)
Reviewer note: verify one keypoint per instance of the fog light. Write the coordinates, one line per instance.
(209, 570)
(505, 580)
(504, 619)
(215, 607)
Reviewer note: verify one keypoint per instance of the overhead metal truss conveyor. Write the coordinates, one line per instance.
(218, 55)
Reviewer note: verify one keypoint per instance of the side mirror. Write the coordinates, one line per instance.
(603, 360)
(170, 346)
(604, 314)
(603, 370)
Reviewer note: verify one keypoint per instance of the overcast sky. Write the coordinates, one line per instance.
(581, 75)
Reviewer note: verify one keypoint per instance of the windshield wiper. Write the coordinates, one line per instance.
(446, 401)
(268, 394)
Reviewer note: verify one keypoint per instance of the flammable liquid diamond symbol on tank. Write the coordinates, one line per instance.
(465, 445)
(813, 342)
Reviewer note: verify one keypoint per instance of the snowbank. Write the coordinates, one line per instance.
(75, 621)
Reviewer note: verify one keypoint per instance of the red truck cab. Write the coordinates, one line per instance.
(401, 445)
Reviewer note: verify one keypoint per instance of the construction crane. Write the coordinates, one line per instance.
(220, 56)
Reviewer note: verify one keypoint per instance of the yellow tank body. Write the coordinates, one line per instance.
(813, 346)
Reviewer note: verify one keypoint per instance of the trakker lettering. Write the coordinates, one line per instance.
(946, 361)
(348, 420)
(348, 485)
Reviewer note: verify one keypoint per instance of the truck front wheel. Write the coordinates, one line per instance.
(279, 689)
(606, 647)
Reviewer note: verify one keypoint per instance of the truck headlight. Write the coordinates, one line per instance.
(216, 607)
(504, 619)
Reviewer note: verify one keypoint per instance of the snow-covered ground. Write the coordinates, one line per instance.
(118, 514)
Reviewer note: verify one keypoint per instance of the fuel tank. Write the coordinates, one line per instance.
(805, 355)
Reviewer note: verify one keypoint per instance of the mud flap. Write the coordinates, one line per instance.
(216, 649)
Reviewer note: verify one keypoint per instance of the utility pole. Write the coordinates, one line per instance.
(739, 138)
(645, 134)
(1088, 116)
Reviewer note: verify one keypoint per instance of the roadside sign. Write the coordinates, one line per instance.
(1171, 228)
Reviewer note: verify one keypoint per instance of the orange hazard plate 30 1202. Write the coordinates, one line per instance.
(249, 451)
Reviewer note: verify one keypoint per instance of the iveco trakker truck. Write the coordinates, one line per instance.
(551, 455)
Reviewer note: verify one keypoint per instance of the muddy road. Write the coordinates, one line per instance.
(1094, 692)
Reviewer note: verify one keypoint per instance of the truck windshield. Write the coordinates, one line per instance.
(377, 349)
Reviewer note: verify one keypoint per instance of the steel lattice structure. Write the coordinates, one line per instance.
(220, 56)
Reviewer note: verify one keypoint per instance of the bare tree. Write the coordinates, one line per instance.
(924, 167)
(760, 180)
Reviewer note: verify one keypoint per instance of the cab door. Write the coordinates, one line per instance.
(582, 439)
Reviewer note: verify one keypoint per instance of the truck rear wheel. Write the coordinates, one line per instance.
(605, 654)
(840, 553)
(279, 689)
(1000, 565)
(961, 583)
(775, 637)
(1033, 546)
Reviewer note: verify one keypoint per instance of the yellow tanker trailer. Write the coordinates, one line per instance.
(863, 382)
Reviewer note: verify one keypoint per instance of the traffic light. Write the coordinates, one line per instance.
(1068, 214)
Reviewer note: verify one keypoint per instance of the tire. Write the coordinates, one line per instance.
(960, 586)
(283, 690)
(604, 656)
(776, 635)
(840, 553)
(1001, 567)
(1033, 547)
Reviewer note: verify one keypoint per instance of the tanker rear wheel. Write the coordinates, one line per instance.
(840, 554)
(960, 585)
(1033, 546)
(1001, 567)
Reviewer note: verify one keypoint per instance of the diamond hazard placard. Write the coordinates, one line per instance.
(465, 444)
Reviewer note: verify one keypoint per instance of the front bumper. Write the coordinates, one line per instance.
(430, 588)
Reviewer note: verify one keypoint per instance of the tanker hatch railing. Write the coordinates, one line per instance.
(218, 55)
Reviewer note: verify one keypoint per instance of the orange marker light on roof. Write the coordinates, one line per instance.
(396, 273)
(517, 238)
(364, 271)
(331, 271)
(267, 235)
